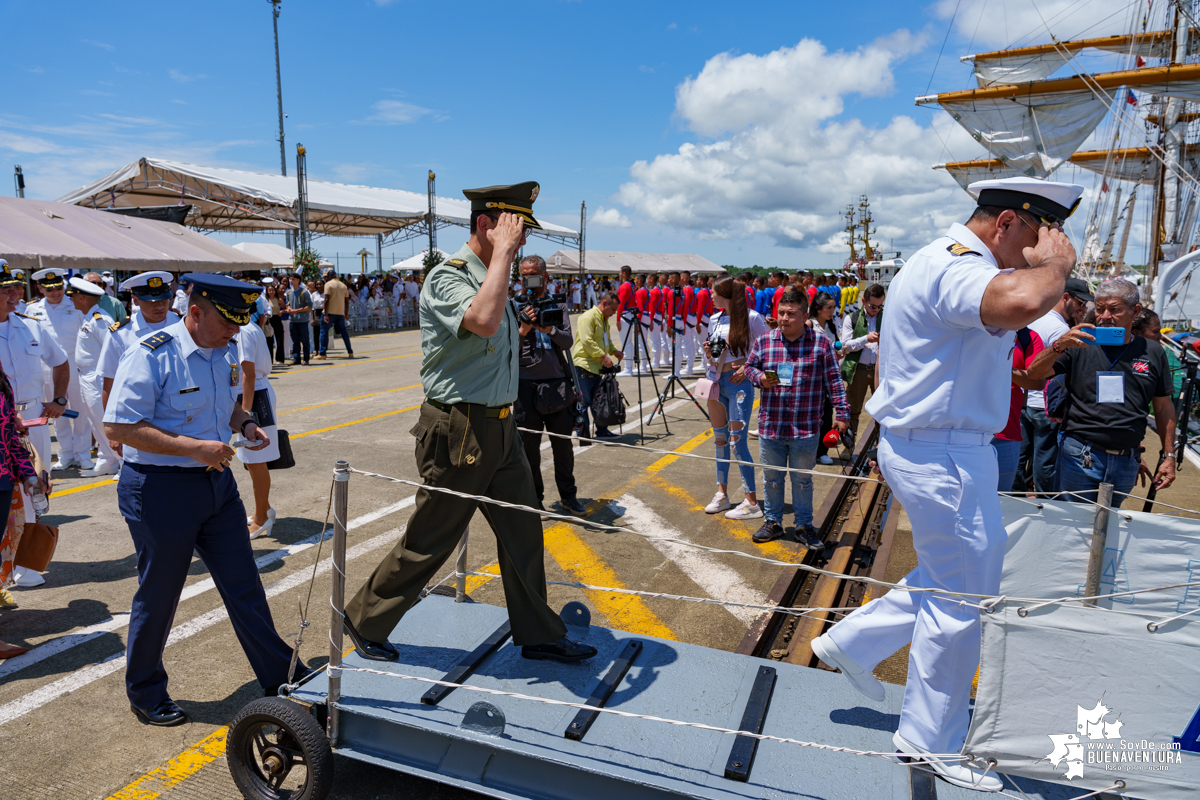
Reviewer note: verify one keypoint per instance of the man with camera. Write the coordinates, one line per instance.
(546, 395)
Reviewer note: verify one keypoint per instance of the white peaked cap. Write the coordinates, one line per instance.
(87, 287)
(1039, 197)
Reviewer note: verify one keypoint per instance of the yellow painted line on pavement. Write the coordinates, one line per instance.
(348, 399)
(628, 612)
(686, 447)
(178, 769)
(355, 422)
(85, 487)
(476, 581)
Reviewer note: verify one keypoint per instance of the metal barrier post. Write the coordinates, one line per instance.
(460, 572)
(1099, 541)
(337, 596)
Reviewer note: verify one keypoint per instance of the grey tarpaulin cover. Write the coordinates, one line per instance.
(1079, 695)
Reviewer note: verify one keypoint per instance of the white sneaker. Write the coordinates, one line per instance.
(752, 433)
(957, 774)
(745, 510)
(824, 460)
(102, 467)
(720, 502)
(26, 578)
(859, 678)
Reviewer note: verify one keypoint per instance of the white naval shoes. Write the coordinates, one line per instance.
(720, 502)
(957, 774)
(84, 463)
(103, 466)
(60, 464)
(26, 578)
(859, 678)
(625, 373)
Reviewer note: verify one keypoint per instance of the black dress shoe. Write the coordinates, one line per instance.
(574, 506)
(375, 651)
(163, 715)
(564, 650)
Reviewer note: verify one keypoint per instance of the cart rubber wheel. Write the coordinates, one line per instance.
(277, 751)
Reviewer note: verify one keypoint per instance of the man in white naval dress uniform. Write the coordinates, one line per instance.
(59, 315)
(944, 390)
(92, 335)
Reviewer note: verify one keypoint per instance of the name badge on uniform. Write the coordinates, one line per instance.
(785, 372)
(233, 374)
(1110, 387)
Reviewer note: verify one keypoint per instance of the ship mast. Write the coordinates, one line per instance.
(865, 220)
(850, 229)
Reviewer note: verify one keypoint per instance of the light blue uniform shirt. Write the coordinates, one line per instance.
(179, 387)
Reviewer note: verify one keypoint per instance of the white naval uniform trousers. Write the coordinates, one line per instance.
(949, 493)
(944, 388)
(74, 435)
(87, 357)
(686, 346)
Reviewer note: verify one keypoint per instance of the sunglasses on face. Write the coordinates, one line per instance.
(874, 306)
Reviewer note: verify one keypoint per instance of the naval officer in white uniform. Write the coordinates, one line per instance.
(59, 315)
(92, 335)
(151, 313)
(944, 390)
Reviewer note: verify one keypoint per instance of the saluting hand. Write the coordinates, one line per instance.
(1053, 249)
(215, 454)
(508, 235)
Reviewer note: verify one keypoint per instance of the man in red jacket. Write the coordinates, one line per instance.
(626, 313)
(687, 345)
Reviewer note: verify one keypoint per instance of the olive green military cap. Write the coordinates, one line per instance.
(515, 199)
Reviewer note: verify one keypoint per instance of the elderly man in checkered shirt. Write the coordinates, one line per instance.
(796, 369)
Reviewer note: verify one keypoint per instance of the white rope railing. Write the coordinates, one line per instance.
(983, 602)
(733, 461)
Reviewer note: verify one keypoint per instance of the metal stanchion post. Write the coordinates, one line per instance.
(1099, 541)
(460, 571)
(337, 596)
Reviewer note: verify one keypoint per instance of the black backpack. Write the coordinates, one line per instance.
(608, 404)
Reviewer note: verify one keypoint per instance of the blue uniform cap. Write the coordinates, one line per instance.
(232, 299)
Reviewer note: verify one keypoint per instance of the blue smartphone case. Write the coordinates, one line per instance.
(1109, 336)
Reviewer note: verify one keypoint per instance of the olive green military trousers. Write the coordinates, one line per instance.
(493, 464)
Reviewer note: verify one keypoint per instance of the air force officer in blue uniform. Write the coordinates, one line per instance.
(172, 407)
(945, 368)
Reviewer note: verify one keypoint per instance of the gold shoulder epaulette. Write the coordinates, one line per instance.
(157, 340)
(96, 315)
(116, 326)
(25, 316)
(957, 249)
(457, 263)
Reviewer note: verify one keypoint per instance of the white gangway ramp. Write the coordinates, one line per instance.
(1089, 695)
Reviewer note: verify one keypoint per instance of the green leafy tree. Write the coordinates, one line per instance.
(308, 263)
(431, 260)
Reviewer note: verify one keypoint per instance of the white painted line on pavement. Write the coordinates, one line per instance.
(717, 580)
(90, 674)
(119, 621)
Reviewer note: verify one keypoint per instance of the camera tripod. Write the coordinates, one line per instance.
(639, 341)
(674, 379)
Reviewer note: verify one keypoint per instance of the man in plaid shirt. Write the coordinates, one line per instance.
(795, 367)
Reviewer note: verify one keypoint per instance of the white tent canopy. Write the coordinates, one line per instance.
(279, 256)
(416, 262)
(231, 199)
(35, 234)
(610, 261)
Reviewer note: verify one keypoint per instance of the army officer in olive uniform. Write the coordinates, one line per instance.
(466, 440)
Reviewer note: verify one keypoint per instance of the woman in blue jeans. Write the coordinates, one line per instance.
(732, 331)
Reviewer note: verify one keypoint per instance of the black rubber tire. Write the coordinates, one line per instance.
(301, 736)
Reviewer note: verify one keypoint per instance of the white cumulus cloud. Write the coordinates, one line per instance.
(609, 218)
(776, 159)
(396, 112)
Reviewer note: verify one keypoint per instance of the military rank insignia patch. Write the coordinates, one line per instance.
(457, 263)
(957, 249)
(157, 340)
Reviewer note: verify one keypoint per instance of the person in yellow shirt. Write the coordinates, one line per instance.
(336, 300)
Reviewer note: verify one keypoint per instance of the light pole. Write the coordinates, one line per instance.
(275, 9)
(19, 180)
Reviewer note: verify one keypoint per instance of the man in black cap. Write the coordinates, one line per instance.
(1039, 436)
(173, 408)
(466, 441)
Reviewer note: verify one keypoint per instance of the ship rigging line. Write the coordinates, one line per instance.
(949, 27)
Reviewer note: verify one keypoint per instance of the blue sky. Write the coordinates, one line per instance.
(572, 94)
